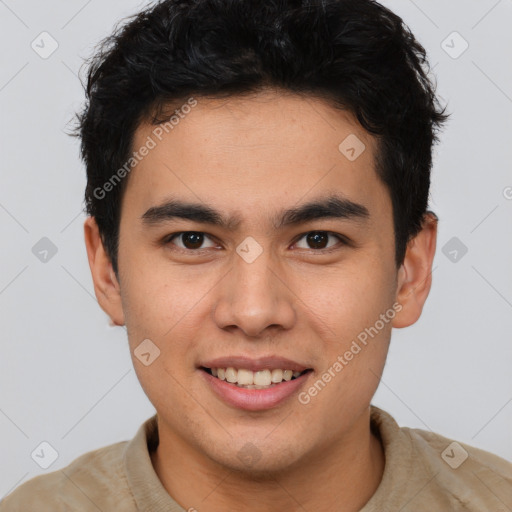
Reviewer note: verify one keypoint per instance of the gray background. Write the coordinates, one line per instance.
(66, 377)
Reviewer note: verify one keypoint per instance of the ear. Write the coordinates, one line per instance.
(415, 274)
(106, 286)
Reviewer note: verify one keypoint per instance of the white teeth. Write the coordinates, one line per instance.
(261, 378)
(277, 375)
(254, 380)
(246, 377)
(231, 374)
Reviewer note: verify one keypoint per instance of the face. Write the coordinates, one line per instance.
(258, 282)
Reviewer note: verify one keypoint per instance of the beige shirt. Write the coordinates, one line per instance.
(423, 472)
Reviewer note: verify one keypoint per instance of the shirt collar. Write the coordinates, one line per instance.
(151, 496)
(148, 492)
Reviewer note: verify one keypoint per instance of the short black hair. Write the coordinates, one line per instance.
(355, 54)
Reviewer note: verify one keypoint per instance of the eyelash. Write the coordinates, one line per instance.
(344, 241)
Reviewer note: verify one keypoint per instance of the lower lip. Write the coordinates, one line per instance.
(254, 399)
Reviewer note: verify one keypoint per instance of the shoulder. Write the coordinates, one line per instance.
(94, 481)
(470, 477)
(427, 471)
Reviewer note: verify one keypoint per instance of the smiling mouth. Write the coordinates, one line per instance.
(262, 379)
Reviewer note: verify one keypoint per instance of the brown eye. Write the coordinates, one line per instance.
(190, 240)
(319, 240)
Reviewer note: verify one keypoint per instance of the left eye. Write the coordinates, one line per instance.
(318, 239)
(193, 240)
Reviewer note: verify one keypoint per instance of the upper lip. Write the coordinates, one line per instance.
(255, 364)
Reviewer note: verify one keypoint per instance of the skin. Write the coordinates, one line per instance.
(254, 156)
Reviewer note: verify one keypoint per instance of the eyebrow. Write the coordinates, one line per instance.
(333, 206)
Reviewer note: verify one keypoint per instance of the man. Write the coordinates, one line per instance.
(258, 177)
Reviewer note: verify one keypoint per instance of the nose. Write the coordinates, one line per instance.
(255, 297)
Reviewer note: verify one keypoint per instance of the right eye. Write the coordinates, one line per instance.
(191, 240)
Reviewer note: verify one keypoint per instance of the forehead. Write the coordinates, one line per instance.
(267, 119)
(254, 151)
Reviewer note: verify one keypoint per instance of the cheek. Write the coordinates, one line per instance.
(157, 295)
(351, 297)
(164, 309)
(359, 311)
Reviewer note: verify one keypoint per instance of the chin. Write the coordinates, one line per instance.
(258, 461)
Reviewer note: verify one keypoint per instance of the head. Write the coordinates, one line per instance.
(257, 185)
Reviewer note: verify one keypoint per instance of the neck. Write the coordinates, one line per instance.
(341, 477)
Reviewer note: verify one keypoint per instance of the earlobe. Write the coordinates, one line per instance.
(415, 274)
(106, 286)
